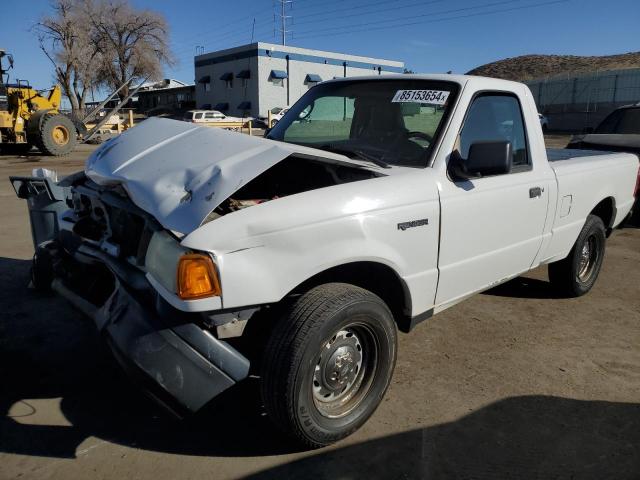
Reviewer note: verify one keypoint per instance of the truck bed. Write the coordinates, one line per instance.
(559, 154)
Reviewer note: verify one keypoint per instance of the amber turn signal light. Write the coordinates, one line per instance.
(197, 277)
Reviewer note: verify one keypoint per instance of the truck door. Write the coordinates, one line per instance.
(491, 226)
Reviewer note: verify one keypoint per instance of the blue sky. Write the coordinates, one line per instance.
(428, 35)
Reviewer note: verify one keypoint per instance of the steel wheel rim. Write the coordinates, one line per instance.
(344, 369)
(589, 255)
(60, 135)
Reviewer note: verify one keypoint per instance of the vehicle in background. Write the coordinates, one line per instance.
(618, 132)
(544, 122)
(374, 203)
(204, 116)
(277, 114)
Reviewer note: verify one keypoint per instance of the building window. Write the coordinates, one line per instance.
(245, 75)
(227, 78)
(206, 81)
(277, 77)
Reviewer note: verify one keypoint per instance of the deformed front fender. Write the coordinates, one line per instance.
(265, 251)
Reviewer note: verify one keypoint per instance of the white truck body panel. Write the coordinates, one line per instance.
(480, 232)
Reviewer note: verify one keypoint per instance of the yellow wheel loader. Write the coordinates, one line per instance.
(29, 117)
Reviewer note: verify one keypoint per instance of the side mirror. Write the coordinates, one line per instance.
(588, 130)
(486, 158)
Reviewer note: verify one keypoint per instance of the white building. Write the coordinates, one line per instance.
(252, 79)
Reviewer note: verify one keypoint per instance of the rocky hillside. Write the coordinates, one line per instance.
(527, 67)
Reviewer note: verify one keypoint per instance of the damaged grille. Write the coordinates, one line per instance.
(110, 221)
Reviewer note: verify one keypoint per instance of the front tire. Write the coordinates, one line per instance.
(575, 275)
(328, 363)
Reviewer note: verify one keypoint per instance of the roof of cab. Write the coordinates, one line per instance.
(478, 82)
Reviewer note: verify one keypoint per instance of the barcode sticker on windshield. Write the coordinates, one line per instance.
(433, 97)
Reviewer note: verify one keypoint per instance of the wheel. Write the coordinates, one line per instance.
(57, 135)
(576, 274)
(328, 363)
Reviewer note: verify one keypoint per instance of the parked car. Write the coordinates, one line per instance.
(618, 132)
(544, 122)
(210, 116)
(377, 202)
(277, 114)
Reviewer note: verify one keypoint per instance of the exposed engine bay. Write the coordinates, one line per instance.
(288, 177)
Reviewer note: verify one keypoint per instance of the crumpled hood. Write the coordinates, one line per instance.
(179, 172)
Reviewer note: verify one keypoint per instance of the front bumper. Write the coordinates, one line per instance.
(170, 352)
(182, 366)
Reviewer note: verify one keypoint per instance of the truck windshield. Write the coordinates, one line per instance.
(387, 122)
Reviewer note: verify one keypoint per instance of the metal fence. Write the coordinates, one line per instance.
(572, 103)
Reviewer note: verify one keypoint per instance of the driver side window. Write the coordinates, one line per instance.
(496, 117)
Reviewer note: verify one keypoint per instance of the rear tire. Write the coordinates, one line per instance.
(575, 275)
(328, 363)
(57, 135)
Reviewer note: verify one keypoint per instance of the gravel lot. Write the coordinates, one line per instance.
(513, 383)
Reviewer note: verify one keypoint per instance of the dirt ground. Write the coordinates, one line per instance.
(513, 383)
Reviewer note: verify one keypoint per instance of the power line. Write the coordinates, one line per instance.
(230, 36)
(412, 17)
(382, 10)
(422, 22)
(227, 26)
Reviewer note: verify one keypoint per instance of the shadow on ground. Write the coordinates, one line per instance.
(48, 351)
(524, 287)
(532, 437)
(11, 151)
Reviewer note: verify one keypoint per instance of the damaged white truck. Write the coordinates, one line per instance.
(205, 256)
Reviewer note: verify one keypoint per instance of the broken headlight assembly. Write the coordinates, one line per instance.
(190, 275)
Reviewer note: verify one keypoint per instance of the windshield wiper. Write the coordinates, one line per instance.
(357, 153)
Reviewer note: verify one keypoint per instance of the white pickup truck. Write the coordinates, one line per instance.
(205, 256)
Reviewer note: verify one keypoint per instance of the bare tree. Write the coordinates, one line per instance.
(133, 43)
(65, 37)
(96, 43)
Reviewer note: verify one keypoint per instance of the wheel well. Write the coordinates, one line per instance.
(373, 276)
(605, 210)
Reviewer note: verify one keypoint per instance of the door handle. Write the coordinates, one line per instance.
(535, 192)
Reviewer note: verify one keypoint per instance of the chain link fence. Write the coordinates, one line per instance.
(572, 103)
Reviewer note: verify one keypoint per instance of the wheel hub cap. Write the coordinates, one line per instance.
(337, 368)
(60, 135)
(588, 257)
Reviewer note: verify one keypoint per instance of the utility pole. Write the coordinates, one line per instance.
(283, 19)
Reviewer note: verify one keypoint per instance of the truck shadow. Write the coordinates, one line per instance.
(49, 354)
(524, 287)
(50, 351)
(532, 437)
